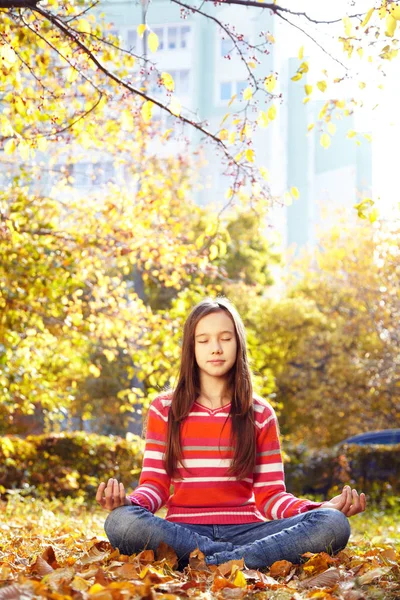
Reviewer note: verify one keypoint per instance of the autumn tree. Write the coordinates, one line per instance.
(70, 42)
(330, 345)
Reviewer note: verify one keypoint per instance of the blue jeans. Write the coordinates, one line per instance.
(133, 528)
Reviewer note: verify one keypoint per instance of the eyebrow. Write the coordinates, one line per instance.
(219, 333)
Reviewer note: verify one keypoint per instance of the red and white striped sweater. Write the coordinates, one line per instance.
(206, 494)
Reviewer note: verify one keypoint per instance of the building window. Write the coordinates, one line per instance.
(182, 81)
(185, 35)
(226, 47)
(225, 90)
(103, 173)
(81, 174)
(159, 31)
(243, 47)
(241, 86)
(172, 38)
(131, 39)
(229, 88)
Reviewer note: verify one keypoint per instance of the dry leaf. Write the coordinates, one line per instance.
(168, 554)
(369, 576)
(197, 561)
(280, 568)
(41, 567)
(227, 567)
(327, 579)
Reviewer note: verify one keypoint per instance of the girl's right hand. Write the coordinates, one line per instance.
(112, 495)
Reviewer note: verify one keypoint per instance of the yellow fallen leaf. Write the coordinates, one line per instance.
(240, 580)
(301, 53)
(322, 85)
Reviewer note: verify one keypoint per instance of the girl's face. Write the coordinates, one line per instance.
(215, 344)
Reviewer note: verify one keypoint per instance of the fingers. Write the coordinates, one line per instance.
(348, 499)
(112, 495)
(355, 503)
(99, 494)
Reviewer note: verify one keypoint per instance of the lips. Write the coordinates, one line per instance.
(216, 362)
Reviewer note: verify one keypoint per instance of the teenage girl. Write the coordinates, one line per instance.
(217, 443)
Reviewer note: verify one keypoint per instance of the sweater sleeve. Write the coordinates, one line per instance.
(271, 496)
(154, 484)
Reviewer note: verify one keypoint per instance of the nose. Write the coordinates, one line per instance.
(216, 348)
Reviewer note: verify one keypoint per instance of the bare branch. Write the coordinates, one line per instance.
(313, 40)
(218, 22)
(281, 9)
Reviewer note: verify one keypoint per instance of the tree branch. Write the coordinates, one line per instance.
(279, 9)
(73, 35)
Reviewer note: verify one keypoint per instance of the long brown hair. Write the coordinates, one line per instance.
(188, 389)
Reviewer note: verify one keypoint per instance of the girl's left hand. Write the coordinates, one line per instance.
(348, 502)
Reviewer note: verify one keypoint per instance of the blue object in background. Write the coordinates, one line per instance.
(385, 436)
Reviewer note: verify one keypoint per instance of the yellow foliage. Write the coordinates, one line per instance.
(147, 111)
(270, 83)
(391, 24)
(141, 29)
(272, 112)
(367, 17)
(175, 106)
(247, 94)
(167, 81)
(262, 120)
(153, 41)
(325, 140)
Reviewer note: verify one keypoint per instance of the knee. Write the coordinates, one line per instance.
(339, 524)
(119, 523)
(114, 525)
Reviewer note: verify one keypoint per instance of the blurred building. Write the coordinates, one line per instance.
(194, 50)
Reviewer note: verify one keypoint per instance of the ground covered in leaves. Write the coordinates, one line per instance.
(58, 550)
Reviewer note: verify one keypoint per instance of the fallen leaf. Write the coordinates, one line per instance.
(327, 579)
(41, 567)
(369, 576)
(226, 568)
(280, 568)
(168, 554)
(197, 561)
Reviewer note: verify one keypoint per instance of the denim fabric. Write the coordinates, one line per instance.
(133, 528)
